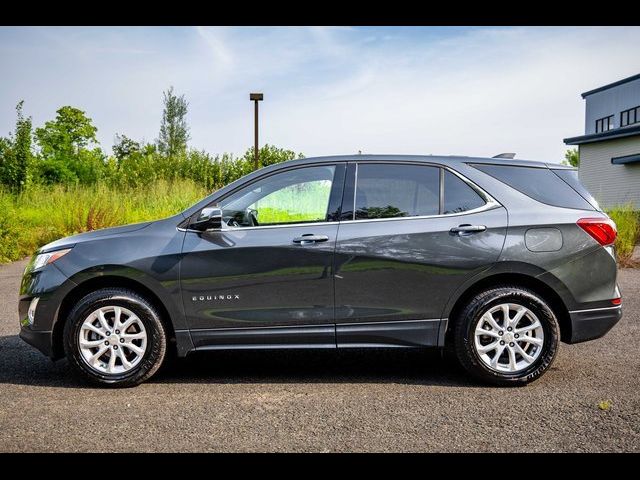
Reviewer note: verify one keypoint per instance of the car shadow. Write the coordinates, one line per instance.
(22, 365)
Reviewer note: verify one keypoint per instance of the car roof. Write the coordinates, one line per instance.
(445, 160)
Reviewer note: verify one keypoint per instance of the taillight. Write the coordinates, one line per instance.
(616, 301)
(603, 230)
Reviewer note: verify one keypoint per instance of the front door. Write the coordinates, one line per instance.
(266, 278)
(414, 235)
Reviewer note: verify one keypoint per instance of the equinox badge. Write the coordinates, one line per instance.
(209, 298)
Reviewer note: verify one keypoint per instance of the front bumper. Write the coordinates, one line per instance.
(593, 323)
(42, 340)
(51, 287)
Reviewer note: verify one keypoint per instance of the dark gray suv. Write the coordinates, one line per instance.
(496, 260)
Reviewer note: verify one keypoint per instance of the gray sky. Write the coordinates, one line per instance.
(467, 91)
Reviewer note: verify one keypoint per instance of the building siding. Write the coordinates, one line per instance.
(611, 102)
(611, 184)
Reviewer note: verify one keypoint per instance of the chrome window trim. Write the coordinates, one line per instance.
(485, 196)
(244, 229)
(484, 208)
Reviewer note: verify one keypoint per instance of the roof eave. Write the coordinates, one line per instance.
(611, 85)
(599, 137)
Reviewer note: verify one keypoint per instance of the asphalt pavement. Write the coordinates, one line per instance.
(324, 401)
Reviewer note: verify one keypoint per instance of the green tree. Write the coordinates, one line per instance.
(572, 157)
(22, 148)
(71, 131)
(270, 155)
(6, 160)
(64, 146)
(174, 131)
(15, 154)
(124, 147)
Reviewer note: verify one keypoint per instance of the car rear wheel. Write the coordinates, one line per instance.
(115, 337)
(506, 336)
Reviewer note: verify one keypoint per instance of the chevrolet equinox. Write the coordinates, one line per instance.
(496, 260)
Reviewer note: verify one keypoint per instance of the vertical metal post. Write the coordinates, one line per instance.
(256, 97)
(256, 151)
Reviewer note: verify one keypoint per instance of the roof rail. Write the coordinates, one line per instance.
(505, 155)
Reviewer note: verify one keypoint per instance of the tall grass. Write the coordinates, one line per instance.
(627, 221)
(43, 214)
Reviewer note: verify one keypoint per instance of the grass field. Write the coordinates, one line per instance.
(44, 214)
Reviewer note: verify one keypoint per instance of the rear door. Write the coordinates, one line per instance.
(410, 235)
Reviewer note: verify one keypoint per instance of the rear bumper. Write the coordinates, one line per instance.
(593, 323)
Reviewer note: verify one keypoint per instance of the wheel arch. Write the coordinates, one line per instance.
(106, 281)
(528, 280)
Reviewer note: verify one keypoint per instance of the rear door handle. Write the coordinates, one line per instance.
(467, 229)
(310, 238)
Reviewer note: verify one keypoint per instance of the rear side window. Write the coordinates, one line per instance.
(541, 184)
(387, 191)
(458, 195)
(571, 177)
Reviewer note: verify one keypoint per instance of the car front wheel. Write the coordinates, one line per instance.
(115, 337)
(506, 336)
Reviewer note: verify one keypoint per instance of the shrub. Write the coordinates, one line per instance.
(628, 223)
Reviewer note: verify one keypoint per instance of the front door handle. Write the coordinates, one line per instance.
(310, 238)
(467, 229)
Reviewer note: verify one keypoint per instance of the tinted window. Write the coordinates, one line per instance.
(386, 191)
(458, 196)
(538, 183)
(295, 196)
(571, 177)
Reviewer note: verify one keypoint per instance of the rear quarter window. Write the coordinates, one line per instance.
(541, 184)
(571, 177)
(458, 196)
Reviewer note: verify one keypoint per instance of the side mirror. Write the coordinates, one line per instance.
(210, 218)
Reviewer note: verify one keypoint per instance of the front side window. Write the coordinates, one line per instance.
(388, 191)
(294, 196)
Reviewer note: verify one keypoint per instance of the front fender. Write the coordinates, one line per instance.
(166, 291)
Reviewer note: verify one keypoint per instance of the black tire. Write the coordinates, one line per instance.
(470, 315)
(156, 336)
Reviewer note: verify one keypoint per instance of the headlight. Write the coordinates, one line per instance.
(47, 258)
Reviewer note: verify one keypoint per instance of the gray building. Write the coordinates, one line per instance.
(610, 146)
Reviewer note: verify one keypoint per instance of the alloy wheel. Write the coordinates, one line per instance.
(112, 340)
(509, 338)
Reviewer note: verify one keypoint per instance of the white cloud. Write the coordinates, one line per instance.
(327, 90)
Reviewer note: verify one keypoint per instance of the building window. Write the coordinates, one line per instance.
(604, 124)
(629, 117)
